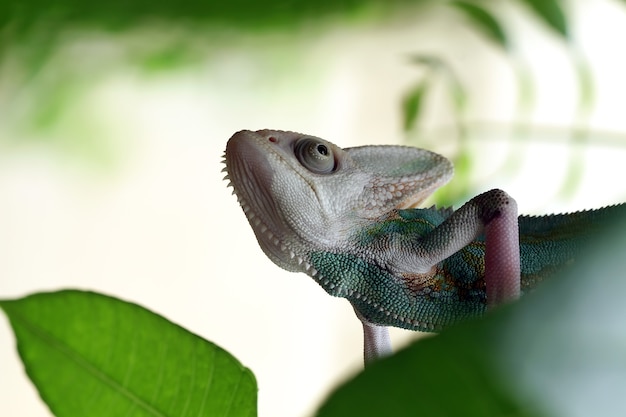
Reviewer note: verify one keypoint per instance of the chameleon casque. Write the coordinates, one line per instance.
(347, 218)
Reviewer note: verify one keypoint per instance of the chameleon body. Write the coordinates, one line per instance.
(347, 218)
(455, 290)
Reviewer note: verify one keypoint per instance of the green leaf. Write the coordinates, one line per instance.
(93, 355)
(559, 351)
(412, 105)
(551, 12)
(484, 21)
(435, 377)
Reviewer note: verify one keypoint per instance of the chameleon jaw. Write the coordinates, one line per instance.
(278, 250)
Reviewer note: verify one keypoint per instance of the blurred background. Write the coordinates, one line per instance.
(114, 117)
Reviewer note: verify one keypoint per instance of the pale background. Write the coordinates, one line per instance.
(156, 225)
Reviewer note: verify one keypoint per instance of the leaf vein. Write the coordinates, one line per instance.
(83, 363)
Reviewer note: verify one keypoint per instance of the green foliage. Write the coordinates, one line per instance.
(436, 69)
(23, 17)
(484, 21)
(447, 375)
(412, 105)
(53, 54)
(93, 355)
(551, 12)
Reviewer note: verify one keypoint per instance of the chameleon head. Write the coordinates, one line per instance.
(303, 194)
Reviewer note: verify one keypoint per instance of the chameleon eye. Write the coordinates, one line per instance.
(315, 155)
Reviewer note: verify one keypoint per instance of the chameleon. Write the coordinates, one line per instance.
(349, 218)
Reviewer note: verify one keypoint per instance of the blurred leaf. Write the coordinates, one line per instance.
(442, 376)
(22, 17)
(580, 135)
(458, 94)
(551, 12)
(93, 355)
(484, 21)
(559, 351)
(436, 66)
(169, 57)
(412, 105)
(431, 61)
(586, 86)
(526, 93)
(39, 26)
(458, 191)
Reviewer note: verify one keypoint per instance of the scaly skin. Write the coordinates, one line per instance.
(455, 288)
(346, 217)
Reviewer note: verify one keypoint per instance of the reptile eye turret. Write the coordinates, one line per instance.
(315, 155)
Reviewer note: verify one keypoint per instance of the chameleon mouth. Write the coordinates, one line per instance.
(277, 249)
